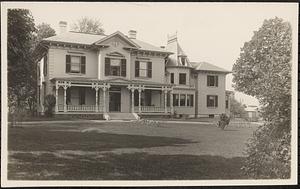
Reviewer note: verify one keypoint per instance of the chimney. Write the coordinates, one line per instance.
(62, 27)
(132, 34)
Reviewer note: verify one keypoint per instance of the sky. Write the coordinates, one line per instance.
(211, 32)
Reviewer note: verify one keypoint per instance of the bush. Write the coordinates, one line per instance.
(268, 157)
(49, 105)
(224, 121)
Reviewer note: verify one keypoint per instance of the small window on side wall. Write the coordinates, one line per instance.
(212, 101)
(212, 81)
(172, 78)
(182, 78)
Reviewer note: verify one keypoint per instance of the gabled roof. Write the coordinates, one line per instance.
(117, 33)
(205, 66)
(76, 37)
(90, 39)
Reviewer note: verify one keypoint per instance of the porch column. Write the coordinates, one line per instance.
(97, 89)
(132, 100)
(140, 90)
(165, 100)
(171, 102)
(56, 96)
(104, 98)
(65, 98)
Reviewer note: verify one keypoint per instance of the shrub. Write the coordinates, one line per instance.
(268, 157)
(49, 105)
(224, 121)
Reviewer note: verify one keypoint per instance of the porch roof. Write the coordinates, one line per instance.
(112, 81)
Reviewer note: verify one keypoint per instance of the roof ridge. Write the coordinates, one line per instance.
(88, 33)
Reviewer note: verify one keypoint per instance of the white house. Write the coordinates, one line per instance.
(102, 74)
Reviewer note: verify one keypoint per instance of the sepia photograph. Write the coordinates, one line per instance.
(149, 94)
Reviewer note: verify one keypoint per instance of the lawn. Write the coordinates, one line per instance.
(124, 151)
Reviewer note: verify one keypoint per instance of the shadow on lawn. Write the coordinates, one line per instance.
(46, 139)
(136, 166)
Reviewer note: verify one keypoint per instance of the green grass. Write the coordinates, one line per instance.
(51, 151)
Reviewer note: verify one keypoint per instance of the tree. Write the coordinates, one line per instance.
(263, 70)
(44, 30)
(237, 108)
(88, 25)
(21, 68)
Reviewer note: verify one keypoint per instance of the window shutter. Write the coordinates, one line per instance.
(82, 65)
(68, 63)
(149, 68)
(137, 69)
(107, 66)
(208, 80)
(216, 78)
(216, 103)
(207, 101)
(123, 67)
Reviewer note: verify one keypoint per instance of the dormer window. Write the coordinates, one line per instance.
(183, 61)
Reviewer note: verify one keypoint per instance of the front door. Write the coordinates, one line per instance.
(114, 101)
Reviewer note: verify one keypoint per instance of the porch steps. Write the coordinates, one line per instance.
(121, 116)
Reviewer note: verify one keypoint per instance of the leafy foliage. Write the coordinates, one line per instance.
(224, 121)
(49, 105)
(236, 108)
(268, 157)
(44, 30)
(263, 70)
(21, 68)
(88, 25)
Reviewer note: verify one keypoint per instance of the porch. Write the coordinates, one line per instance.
(103, 97)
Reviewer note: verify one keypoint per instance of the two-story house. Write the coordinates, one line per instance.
(101, 74)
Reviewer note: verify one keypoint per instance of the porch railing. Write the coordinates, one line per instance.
(80, 108)
(152, 109)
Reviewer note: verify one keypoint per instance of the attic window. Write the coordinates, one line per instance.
(183, 61)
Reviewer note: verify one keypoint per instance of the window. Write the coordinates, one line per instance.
(175, 99)
(190, 100)
(172, 78)
(115, 67)
(212, 80)
(143, 69)
(183, 61)
(182, 100)
(45, 65)
(182, 78)
(75, 64)
(226, 104)
(81, 96)
(212, 101)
